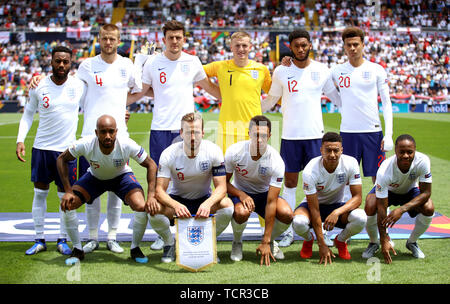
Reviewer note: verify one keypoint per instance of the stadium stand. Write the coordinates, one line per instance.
(410, 39)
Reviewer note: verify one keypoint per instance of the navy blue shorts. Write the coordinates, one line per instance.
(365, 146)
(44, 170)
(192, 205)
(83, 165)
(260, 200)
(160, 140)
(395, 199)
(325, 211)
(296, 154)
(120, 185)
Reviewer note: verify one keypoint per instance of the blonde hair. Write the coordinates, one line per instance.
(191, 117)
(109, 28)
(238, 35)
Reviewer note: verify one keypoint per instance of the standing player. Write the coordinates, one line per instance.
(324, 180)
(171, 75)
(240, 81)
(300, 85)
(404, 180)
(109, 155)
(258, 174)
(57, 99)
(191, 165)
(359, 82)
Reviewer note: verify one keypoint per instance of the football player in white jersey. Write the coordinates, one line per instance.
(404, 180)
(170, 76)
(359, 82)
(108, 77)
(108, 155)
(324, 180)
(191, 165)
(300, 86)
(57, 99)
(258, 171)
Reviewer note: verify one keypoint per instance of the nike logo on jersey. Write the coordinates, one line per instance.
(291, 77)
(96, 72)
(240, 165)
(178, 169)
(230, 71)
(160, 69)
(342, 73)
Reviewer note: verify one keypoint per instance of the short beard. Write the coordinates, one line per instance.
(298, 59)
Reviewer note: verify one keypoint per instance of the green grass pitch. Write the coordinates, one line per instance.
(431, 131)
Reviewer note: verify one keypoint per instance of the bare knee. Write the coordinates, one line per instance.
(240, 214)
(371, 205)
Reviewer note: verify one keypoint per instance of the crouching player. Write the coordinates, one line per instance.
(324, 180)
(258, 171)
(108, 157)
(403, 179)
(191, 165)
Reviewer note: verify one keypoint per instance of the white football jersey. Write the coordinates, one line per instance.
(359, 89)
(254, 176)
(301, 91)
(107, 89)
(58, 107)
(172, 82)
(109, 166)
(390, 178)
(330, 186)
(191, 177)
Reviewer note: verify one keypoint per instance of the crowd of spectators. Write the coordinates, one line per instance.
(417, 63)
(26, 14)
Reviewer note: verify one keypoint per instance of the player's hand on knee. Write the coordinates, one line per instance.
(67, 202)
(152, 206)
(248, 203)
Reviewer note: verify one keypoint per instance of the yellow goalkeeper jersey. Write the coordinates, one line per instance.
(240, 88)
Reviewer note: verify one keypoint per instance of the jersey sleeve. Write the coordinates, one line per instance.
(146, 72)
(83, 71)
(309, 184)
(200, 72)
(211, 69)
(382, 79)
(136, 152)
(278, 173)
(164, 164)
(267, 80)
(229, 161)
(425, 171)
(135, 81)
(79, 147)
(27, 118)
(354, 173)
(217, 161)
(381, 186)
(276, 88)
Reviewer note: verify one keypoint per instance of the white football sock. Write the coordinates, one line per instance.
(139, 226)
(62, 224)
(372, 228)
(421, 225)
(161, 224)
(300, 223)
(93, 217)
(223, 218)
(113, 212)
(278, 229)
(70, 220)
(238, 230)
(357, 219)
(38, 211)
(290, 195)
